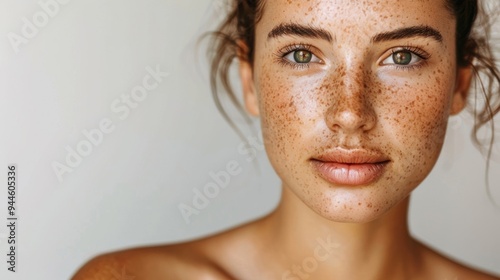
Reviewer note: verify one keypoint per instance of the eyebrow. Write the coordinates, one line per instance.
(408, 32)
(299, 30)
(294, 29)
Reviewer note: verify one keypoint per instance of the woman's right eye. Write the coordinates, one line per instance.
(301, 57)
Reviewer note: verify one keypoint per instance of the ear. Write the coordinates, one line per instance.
(246, 75)
(462, 86)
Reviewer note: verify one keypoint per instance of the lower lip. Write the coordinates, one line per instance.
(350, 174)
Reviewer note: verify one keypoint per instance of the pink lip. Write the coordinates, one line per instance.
(350, 167)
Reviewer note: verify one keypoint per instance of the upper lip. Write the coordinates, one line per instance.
(352, 156)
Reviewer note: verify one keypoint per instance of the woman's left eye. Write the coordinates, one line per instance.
(301, 57)
(402, 58)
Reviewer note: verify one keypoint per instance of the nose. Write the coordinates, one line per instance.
(351, 109)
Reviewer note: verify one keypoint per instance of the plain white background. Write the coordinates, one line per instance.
(126, 191)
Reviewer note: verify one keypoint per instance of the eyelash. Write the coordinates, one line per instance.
(282, 53)
(424, 56)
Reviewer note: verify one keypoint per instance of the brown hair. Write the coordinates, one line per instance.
(472, 45)
(239, 25)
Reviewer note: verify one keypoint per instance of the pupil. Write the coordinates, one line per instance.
(402, 57)
(302, 56)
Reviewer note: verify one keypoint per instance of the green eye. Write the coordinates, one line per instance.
(402, 57)
(298, 56)
(302, 56)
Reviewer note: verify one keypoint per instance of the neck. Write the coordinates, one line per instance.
(307, 244)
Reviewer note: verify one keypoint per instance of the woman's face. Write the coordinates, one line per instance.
(354, 98)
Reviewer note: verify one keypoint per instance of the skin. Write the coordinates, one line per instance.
(353, 96)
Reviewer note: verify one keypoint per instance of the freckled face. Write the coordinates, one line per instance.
(372, 76)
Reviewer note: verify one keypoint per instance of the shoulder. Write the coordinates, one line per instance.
(217, 257)
(222, 256)
(442, 267)
(183, 261)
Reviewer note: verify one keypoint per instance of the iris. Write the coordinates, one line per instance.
(402, 57)
(302, 56)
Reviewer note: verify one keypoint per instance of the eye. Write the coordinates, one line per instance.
(402, 58)
(301, 57)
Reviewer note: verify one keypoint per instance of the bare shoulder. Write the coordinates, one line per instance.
(181, 261)
(205, 259)
(442, 267)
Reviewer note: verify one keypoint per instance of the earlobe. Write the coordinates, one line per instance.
(246, 75)
(462, 87)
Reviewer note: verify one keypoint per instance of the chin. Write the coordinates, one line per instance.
(356, 205)
(353, 216)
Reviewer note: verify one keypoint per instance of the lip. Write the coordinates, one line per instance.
(352, 167)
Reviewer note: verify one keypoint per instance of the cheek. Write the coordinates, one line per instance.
(416, 117)
(290, 107)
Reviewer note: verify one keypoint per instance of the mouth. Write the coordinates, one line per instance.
(354, 167)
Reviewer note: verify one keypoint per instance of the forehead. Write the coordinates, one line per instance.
(363, 16)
